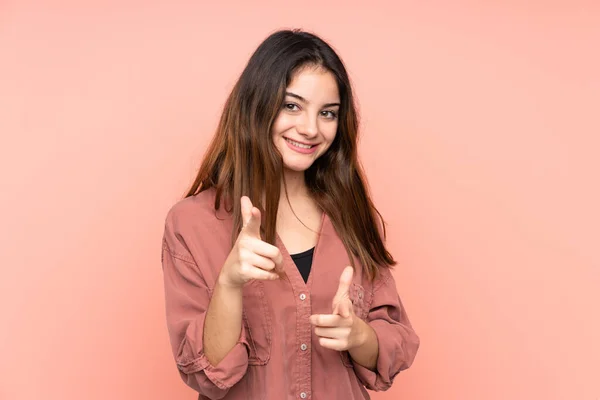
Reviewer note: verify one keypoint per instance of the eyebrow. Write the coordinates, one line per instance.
(302, 99)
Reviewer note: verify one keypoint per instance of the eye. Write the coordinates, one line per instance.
(291, 106)
(329, 114)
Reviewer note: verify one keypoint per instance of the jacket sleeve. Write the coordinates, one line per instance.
(186, 300)
(398, 342)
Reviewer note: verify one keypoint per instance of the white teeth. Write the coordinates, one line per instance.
(303, 146)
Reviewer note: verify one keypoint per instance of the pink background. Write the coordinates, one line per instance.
(481, 135)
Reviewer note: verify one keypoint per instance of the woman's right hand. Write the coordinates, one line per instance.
(250, 258)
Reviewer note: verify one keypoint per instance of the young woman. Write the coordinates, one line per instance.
(277, 279)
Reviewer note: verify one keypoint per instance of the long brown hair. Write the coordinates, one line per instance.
(243, 160)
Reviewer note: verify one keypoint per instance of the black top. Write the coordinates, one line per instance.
(304, 262)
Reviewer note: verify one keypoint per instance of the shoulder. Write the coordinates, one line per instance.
(193, 216)
(200, 207)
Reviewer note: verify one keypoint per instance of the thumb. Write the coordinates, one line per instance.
(250, 217)
(345, 282)
(343, 308)
(341, 300)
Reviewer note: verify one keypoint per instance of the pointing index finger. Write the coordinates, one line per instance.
(326, 320)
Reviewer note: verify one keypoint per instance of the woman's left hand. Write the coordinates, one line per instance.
(342, 329)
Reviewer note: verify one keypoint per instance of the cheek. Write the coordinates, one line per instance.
(281, 124)
(330, 133)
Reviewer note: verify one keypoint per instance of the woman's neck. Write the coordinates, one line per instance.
(295, 183)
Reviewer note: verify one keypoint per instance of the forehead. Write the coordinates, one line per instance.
(315, 84)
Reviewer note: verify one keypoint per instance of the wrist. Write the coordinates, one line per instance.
(363, 332)
(367, 352)
(225, 284)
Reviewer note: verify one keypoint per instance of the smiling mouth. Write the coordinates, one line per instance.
(300, 145)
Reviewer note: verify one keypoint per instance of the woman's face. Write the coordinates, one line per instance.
(307, 122)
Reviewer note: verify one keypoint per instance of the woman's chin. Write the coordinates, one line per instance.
(296, 167)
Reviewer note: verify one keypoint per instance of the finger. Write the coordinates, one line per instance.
(250, 217)
(333, 333)
(246, 207)
(333, 344)
(278, 258)
(251, 272)
(345, 282)
(267, 251)
(343, 308)
(264, 249)
(327, 320)
(257, 260)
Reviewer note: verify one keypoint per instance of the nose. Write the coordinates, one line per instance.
(307, 126)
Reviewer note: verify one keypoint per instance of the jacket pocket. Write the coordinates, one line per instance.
(361, 300)
(256, 318)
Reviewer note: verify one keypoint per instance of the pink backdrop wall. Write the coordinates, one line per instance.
(481, 134)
